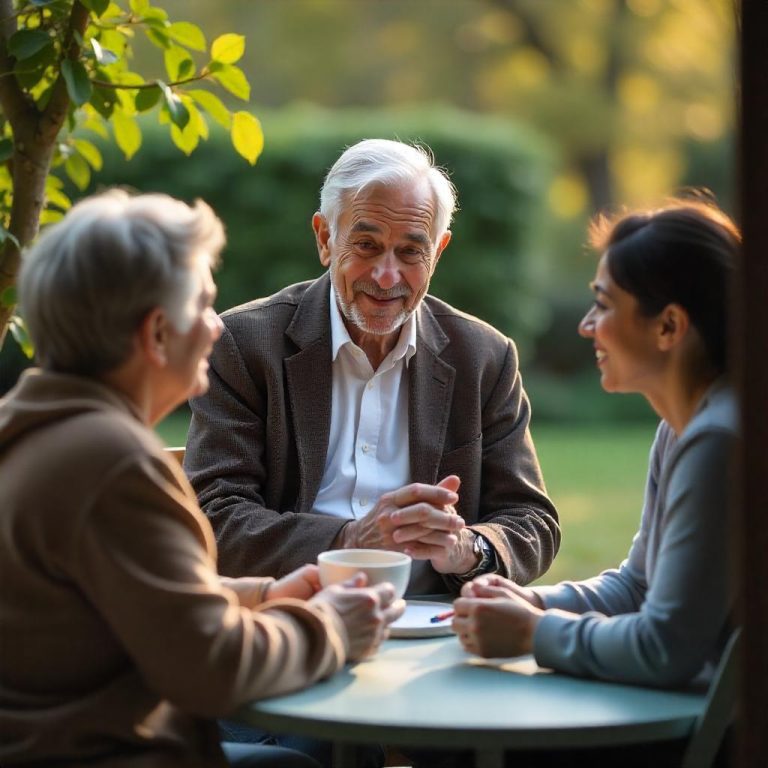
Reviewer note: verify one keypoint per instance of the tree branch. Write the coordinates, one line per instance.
(146, 86)
(56, 111)
(12, 99)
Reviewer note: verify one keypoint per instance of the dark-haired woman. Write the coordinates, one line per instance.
(659, 327)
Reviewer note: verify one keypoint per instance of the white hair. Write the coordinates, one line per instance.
(90, 279)
(381, 161)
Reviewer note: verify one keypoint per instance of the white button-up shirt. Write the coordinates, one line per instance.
(368, 443)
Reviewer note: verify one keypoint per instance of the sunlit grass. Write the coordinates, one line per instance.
(596, 477)
(594, 474)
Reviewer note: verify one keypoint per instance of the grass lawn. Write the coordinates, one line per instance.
(595, 474)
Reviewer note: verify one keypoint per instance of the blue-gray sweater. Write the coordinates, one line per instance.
(662, 616)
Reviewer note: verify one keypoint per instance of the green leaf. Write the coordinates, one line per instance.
(127, 133)
(78, 83)
(28, 42)
(58, 198)
(19, 332)
(6, 149)
(97, 6)
(187, 34)
(196, 116)
(8, 297)
(228, 48)
(247, 136)
(35, 69)
(50, 216)
(6, 235)
(104, 56)
(212, 105)
(90, 152)
(54, 195)
(233, 80)
(114, 13)
(186, 70)
(93, 121)
(139, 7)
(156, 16)
(146, 98)
(179, 114)
(78, 170)
(103, 101)
(126, 96)
(158, 38)
(113, 40)
(186, 139)
(178, 63)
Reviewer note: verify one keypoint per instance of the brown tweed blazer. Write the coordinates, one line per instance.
(257, 443)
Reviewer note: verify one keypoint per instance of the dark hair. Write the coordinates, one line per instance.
(683, 253)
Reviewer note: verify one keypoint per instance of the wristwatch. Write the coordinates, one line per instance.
(486, 555)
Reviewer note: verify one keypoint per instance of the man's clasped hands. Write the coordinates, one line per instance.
(493, 616)
(420, 520)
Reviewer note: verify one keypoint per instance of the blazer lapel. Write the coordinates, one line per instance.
(429, 398)
(309, 379)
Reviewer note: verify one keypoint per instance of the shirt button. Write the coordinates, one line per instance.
(370, 384)
(364, 501)
(365, 447)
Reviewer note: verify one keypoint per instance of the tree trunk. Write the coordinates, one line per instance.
(34, 138)
(31, 161)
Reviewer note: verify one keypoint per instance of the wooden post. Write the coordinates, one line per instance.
(751, 335)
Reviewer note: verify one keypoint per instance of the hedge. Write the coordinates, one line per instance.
(500, 170)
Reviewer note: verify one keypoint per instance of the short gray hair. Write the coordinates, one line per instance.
(88, 282)
(381, 161)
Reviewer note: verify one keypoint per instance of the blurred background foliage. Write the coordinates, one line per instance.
(544, 112)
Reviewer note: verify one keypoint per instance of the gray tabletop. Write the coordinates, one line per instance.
(430, 693)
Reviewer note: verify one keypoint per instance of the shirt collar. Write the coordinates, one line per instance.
(406, 342)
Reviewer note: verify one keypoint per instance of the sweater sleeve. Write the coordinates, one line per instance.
(674, 632)
(141, 559)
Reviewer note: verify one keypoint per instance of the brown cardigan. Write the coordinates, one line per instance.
(117, 637)
(258, 440)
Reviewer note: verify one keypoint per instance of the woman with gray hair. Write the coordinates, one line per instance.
(120, 641)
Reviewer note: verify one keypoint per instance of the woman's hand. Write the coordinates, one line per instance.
(493, 585)
(366, 612)
(300, 584)
(494, 620)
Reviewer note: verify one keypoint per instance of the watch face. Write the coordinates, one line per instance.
(480, 546)
(483, 551)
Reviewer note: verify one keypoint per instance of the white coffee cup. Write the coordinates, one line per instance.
(379, 565)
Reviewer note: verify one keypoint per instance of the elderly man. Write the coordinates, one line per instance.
(356, 410)
(120, 643)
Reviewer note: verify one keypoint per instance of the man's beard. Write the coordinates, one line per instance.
(353, 314)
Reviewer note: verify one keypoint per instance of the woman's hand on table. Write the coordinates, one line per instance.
(366, 612)
(493, 585)
(495, 617)
(300, 584)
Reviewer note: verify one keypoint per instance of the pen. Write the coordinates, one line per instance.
(441, 617)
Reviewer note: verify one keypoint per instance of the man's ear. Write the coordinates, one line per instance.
(322, 237)
(152, 336)
(441, 246)
(674, 322)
